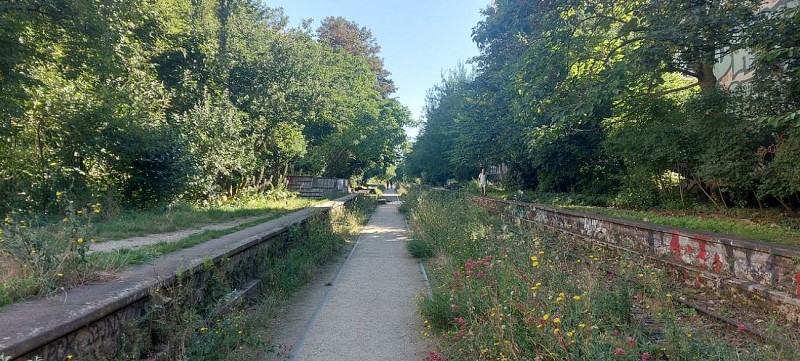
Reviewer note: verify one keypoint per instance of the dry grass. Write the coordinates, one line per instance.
(11, 268)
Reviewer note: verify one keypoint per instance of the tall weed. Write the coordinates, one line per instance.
(504, 293)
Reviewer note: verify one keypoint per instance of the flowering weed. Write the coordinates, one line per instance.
(505, 293)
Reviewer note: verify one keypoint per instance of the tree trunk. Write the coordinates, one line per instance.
(706, 79)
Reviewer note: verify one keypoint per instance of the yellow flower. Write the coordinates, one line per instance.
(559, 299)
(203, 329)
(534, 258)
(669, 295)
(9, 220)
(59, 275)
(541, 252)
(80, 240)
(538, 284)
(65, 220)
(570, 333)
(576, 298)
(556, 331)
(546, 316)
(582, 325)
(556, 320)
(536, 264)
(59, 194)
(69, 357)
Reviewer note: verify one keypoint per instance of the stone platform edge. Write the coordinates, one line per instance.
(31, 325)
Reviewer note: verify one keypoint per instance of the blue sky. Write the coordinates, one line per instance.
(419, 38)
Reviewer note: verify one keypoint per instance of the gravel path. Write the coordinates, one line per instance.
(368, 310)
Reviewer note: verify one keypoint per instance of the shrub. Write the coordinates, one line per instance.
(438, 312)
(419, 249)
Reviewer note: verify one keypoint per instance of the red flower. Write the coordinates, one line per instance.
(631, 341)
(645, 356)
(741, 328)
(434, 356)
(459, 321)
(619, 352)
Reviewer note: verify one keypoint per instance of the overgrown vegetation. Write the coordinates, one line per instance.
(196, 319)
(289, 270)
(42, 255)
(505, 293)
(619, 101)
(143, 104)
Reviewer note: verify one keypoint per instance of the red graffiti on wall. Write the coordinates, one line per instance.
(675, 245)
(717, 263)
(702, 255)
(797, 283)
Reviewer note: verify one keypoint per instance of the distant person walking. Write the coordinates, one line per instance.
(482, 182)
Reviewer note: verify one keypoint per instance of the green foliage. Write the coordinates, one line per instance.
(419, 249)
(343, 35)
(437, 312)
(776, 84)
(36, 260)
(431, 157)
(153, 102)
(620, 99)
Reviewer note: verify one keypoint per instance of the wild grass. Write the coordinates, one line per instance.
(419, 248)
(132, 223)
(121, 258)
(502, 293)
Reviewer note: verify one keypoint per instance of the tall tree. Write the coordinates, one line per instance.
(341, 34)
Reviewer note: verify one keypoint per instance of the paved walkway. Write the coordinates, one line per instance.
(167, 237)
(369, 310)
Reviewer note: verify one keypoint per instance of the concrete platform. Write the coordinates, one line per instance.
(90, 319)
